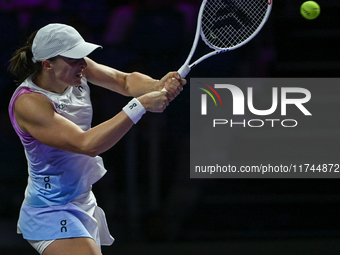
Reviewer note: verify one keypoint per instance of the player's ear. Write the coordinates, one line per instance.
(46, 64)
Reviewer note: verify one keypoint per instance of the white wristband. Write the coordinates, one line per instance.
(135, 110)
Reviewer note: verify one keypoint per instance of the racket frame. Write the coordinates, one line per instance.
(186, 67)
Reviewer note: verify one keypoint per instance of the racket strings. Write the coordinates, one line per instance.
(227, 23)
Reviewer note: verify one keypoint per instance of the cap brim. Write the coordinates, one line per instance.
(81, 50)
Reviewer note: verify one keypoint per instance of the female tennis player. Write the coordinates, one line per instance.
(51, 112)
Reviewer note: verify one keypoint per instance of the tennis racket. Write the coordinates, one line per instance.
(226, 25)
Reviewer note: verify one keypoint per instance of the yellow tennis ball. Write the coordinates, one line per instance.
(310, 10)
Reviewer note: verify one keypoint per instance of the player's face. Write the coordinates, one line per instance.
(69, 71)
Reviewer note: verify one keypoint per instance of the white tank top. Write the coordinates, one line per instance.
(56, 176)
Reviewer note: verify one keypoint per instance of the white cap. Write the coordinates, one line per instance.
(60, 40)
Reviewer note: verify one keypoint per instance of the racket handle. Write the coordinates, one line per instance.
(183, 71)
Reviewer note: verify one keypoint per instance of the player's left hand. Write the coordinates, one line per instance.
(173, 83)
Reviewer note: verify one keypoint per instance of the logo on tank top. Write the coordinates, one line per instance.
(80, 88)
(47, 182)
(63, 226)
(61, 106)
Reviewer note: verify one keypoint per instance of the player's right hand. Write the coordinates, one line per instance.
(155, 101)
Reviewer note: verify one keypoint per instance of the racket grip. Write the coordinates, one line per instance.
(184, 70)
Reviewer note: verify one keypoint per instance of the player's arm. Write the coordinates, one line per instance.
(35, 115)
(131, 84)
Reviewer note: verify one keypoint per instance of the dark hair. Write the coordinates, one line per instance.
(21, 64)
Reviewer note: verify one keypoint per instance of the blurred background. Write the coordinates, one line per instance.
(151, 204)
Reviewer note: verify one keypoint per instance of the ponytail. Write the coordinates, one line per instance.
(21, 64)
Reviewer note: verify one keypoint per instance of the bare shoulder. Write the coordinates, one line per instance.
(32, 107)
(31, 102)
